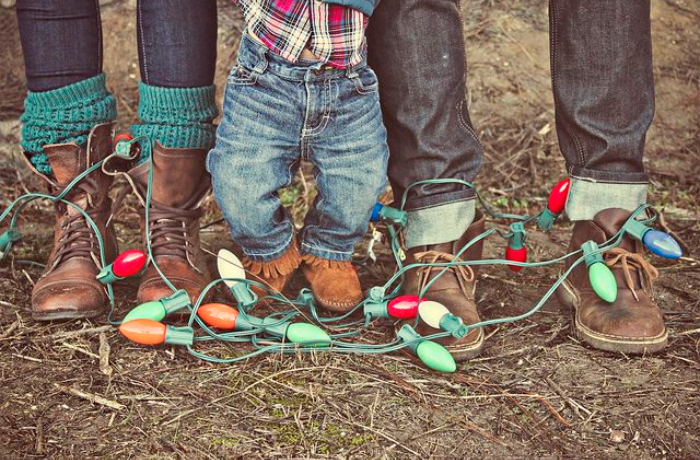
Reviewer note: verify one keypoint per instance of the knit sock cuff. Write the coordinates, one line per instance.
(66, 114)
(176, 117)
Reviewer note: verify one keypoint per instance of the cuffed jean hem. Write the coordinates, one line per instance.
(439, 224)
(613, 177)
(323, 253)
(269, 256)
(588, 196)
(425, 202)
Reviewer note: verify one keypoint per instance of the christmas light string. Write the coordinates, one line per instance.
(279, 333)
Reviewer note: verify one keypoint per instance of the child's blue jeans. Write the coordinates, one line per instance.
(276, 114)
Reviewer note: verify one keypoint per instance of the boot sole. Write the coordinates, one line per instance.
(472, 350)
(66, 315)
(634, 346)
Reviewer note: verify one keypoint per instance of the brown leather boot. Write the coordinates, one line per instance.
(275, 273)
(455, 288)
(180, 184)
(633, 323)
(335, 285)
(69, 288)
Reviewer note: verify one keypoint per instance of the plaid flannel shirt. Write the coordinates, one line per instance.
(334, 33)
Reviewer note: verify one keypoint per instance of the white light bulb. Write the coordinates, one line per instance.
(229, 267)
(432, 312)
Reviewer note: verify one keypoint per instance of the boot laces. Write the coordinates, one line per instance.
(169, 231)
(463, 273)
(622, 258)
(77, 237)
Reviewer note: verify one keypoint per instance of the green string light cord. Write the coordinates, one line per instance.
(339, 327)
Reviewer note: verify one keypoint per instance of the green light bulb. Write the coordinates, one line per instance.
(603, 281)
(436, 357)
(307, 334)
(153, 310)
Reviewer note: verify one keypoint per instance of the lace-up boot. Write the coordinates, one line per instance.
(633, 323)
(180, 184)
(69, 288)
(454, 289)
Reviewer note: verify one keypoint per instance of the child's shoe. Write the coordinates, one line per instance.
(335, 285)
(276, 273)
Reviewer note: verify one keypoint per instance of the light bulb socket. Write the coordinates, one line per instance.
(127, 147)
(243, 295)
(6, 240)
(376, 310)
(410, 336)
(274, 327)
(176, 301)
(454, 325)
(107, 276)
(376, 294)
(546, 219)
(179, 335)
(590, 256)
(635, 229)
(516, 240)
(394, 216)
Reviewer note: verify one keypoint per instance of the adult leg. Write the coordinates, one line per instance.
(66, 129)
(177, 55)
(417, 49)
(601, 64)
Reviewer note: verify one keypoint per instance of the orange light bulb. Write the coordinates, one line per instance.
(144, 331)
(218, 315)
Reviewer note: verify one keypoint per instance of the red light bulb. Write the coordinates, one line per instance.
(129, 263)
(218, 315)
(144, 331)
(404, 307)
(516, 255)
(558, 196)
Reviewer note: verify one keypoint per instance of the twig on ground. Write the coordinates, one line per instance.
(95, 399)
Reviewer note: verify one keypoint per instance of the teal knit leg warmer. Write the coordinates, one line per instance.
(63, 115)
(176, 117)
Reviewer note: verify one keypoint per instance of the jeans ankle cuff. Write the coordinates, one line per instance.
(439, 224)
(588, 197)
(323, 253)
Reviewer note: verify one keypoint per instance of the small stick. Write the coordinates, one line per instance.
(9, 330)
(105, 349)
(95, 399)
(66, 335)
(39, 444)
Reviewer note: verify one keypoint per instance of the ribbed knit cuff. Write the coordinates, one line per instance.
(65, 114)
(176, 117)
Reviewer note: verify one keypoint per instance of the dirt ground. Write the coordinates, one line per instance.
(535, 392)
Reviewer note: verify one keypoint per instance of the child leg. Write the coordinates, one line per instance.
(256, 154)
(350, 156)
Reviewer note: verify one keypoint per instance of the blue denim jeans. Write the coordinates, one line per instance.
(62, 42)
(276, 114)
(601, 64)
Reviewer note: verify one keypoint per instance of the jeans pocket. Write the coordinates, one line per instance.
(241, 75)
(366, 81)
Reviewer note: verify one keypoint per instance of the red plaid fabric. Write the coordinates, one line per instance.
(334, 33)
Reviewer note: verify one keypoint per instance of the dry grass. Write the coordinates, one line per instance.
(79, 390)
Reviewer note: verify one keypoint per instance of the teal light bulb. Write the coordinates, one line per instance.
(603, 281)
(153, 310)
(436, 357)
(307, 334)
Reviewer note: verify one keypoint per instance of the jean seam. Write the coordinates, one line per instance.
(323, 124)
(466, 126)
(142, 51)
(442, 203)
(553, 64)
(596, 181)
(100, 57)
(319, 248)
(279, 251)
